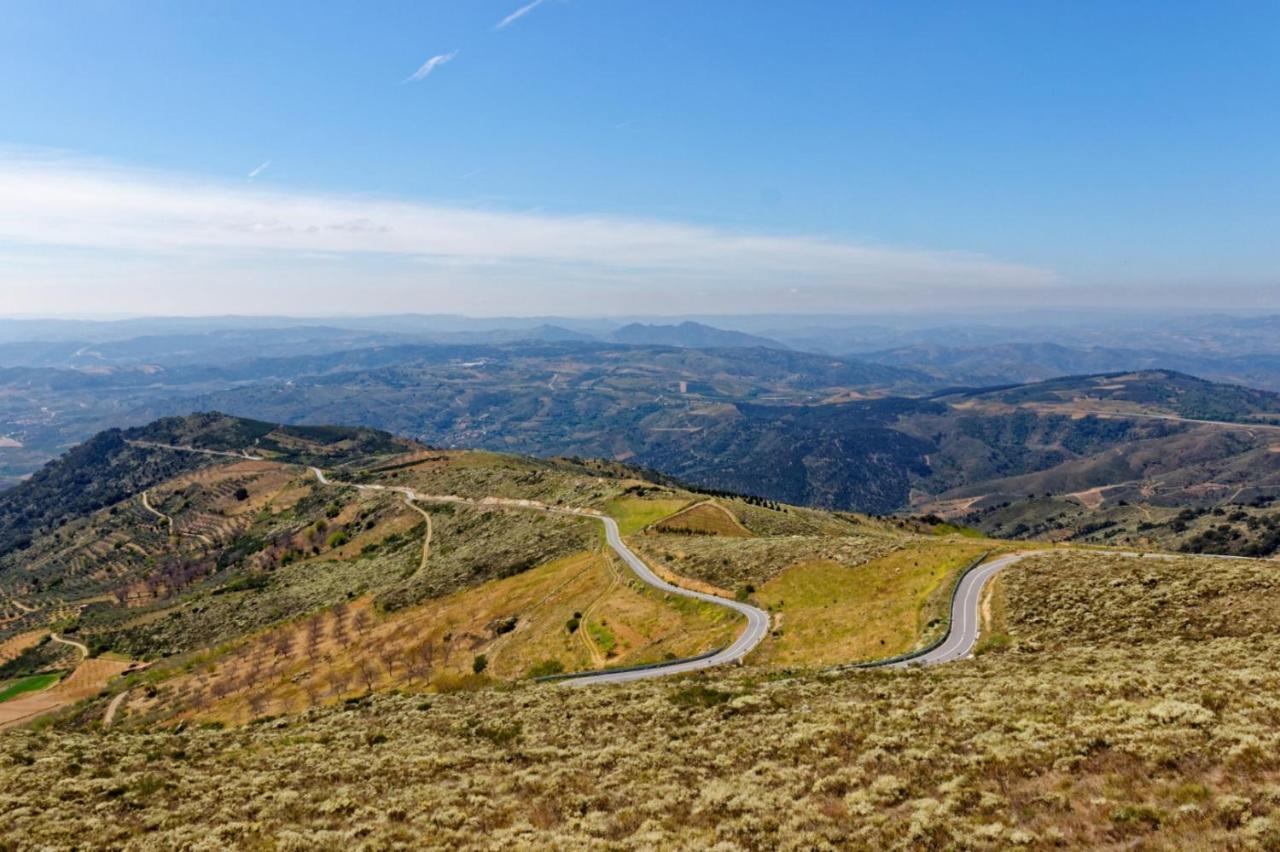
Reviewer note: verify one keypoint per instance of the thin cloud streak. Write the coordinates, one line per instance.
(430, 65)
(518, 14)
(259, 170)
(83, 214)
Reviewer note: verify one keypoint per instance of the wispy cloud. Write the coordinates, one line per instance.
(518, 14)
(430, 65)
(259, 170)
(108, 224)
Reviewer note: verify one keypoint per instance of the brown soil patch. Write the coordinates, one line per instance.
(1090, 499)
(86, 681)
(12, 647)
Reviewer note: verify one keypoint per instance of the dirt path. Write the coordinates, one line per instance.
(86, 681)
(20, 605)
(146, 504)
(716, 507)
(757, 626)
(84, 649)
(1091, 498)
(173, 527)
(598, 657)
(500, 644)
(987, 594)
(113, 708)
(426, 542)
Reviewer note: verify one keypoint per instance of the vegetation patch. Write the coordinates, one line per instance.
(34, 683)
(635, 513)
(828, 613)
(703, 519)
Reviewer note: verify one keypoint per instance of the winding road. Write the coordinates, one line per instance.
(757, 619)
(962, 631)
(966, 615)
(79, 646)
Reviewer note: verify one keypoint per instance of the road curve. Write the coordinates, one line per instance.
(757, 619)
(966, 615)
(80, 646)
(113, 708)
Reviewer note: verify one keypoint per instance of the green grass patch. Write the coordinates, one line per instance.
(994, 644)
(635, 513)
(602, 636)
(34, 683)
(832, 613)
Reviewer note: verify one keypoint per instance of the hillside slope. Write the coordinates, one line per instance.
(1150, 727)
(284, 588)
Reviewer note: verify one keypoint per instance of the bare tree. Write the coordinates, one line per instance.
(448, 649)
(254, 673)
(418, 659)
(388, 654)
(338, 681)
(283, 645)
(257, 703)
(340, 629)
(368, 673)
(314, 631)
(361, 621)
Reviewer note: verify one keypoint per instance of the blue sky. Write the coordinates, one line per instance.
(806, 155)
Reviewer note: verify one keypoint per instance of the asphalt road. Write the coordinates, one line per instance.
(753, 635)
(757, 619)
(966, 618)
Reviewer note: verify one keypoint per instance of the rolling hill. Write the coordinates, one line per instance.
(238, 621)
(284, 586)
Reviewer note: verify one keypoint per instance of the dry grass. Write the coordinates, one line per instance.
(732, 563)
(828, 613)
(1135, 708)
(515, 623)
(708, 518)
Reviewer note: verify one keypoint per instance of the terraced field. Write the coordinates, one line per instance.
(87, 680)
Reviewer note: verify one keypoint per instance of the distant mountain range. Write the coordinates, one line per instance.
(1008, 363)
(689, 334)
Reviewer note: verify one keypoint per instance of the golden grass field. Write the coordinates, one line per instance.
(348, 652)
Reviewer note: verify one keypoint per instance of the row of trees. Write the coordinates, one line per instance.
(261, 671)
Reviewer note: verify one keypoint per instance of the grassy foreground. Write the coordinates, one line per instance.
(1136, 704)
